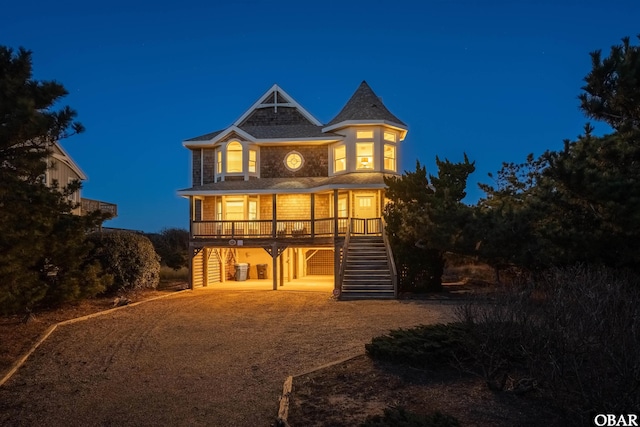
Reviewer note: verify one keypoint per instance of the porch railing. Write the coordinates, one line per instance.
(267, 228)
(366, 226)
(89, 205)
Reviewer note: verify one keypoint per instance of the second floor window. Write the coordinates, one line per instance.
(253, 155)
(234, 157)
(339, 158)
(219, 161)
(364, 155)
(390, 157)
(234, 210)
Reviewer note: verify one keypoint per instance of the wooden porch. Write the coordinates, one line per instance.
(290, 230)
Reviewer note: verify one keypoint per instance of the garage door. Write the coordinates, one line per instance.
(197, 270)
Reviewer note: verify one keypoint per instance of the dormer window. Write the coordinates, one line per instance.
(234, 157)
(364, 155)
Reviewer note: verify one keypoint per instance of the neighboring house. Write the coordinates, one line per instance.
(63, 170)
(294, 197)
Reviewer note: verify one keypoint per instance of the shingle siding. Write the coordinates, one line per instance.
(209, 164)
(316, 162)
(196, 176)
(293, 206)
(270, 117)
(209, 209)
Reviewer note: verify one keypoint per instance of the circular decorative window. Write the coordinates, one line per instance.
(293, 161)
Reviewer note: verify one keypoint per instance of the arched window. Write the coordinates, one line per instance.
(234, 157)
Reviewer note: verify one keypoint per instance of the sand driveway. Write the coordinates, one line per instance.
(202, 358)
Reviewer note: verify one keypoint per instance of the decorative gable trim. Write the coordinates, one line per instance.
(276, 97)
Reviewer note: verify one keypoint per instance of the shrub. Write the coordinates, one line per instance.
(422, 346)
(400, 417)
(129, 258)
(168, 274)
(172, 244)
(576, 333)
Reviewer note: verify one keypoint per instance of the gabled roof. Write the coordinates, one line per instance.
(273, 99)
(364, 107)
(59, 153)
(275, 115)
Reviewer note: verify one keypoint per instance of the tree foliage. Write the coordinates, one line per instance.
(581, 203)
(172, 245)
(42, 246)
(612, 89)
(425, 219)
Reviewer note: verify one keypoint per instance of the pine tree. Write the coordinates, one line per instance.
(612, 89)
(41, 243)
(425, 219)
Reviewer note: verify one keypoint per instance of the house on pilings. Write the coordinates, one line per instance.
(282, 196)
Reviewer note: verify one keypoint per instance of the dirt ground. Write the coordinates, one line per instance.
(205, 357)
(344, 395)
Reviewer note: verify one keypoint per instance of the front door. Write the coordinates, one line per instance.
(365, 206)
(366, 216)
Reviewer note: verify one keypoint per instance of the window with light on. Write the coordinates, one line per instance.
(234, 157)
(219, 161)
(390, 157)
(293, 161)
(390, 136)
(339, 158)
(252, 160)
(364, 155)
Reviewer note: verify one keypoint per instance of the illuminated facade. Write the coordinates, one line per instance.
(279, 188)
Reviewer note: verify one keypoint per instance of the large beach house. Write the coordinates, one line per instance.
(282, 196)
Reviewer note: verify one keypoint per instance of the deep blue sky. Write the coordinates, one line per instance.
(494, 79)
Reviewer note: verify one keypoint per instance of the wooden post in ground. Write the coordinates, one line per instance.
(274, 261)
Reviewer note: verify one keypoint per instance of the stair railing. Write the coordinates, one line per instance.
(343, 262)
(392, 263)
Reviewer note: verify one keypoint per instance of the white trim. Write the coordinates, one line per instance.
(292, 103)
(204, 193)
(202, 166)
(289, 141)
(401, 128)
(219, 137)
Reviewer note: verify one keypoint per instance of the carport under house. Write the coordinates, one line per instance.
(279, 196)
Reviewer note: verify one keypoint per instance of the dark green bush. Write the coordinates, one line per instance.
(400, 417)
(129, 258)
(422, 346)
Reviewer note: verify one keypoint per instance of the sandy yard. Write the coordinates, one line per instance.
(208, 357)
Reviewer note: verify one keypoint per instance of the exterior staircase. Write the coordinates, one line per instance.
(367, 269)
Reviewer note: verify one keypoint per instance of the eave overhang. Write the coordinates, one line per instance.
(349, 123)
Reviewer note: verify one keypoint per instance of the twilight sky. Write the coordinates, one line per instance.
(497, 79)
